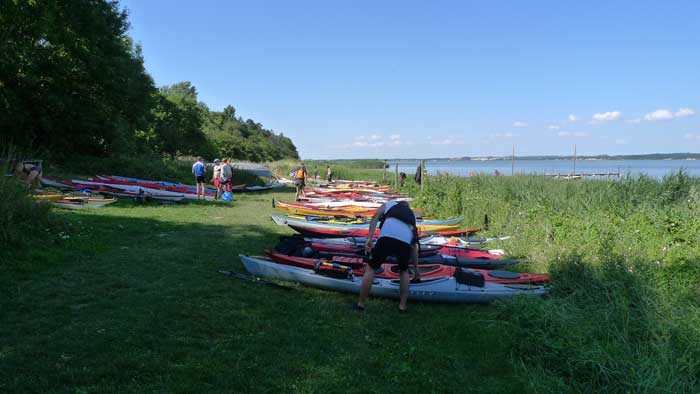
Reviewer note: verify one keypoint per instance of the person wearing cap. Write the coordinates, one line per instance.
(300, 180)
(216, 177)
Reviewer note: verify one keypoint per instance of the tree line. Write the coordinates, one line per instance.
(72, 82)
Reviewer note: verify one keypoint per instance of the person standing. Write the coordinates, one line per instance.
(227, 175)
(329, 173)
(200, 172)
(216, 177)
(300, 180)
(398, 237)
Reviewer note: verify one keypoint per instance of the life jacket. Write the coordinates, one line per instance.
(402, 212)
(300, 173)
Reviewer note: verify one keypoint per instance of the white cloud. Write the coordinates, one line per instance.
(634, 121)
(573, 118)
(606, 116)
(446, 141)
(659, 114)
(683, 112)
(572, 134)
(692, 136)
(620, 141)
(360, 138)
(518, 123)
(395, 137)
(375, 137)
(553, 127)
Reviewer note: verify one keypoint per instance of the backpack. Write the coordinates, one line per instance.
(402, 212)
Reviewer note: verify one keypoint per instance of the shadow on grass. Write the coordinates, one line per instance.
(133, 304)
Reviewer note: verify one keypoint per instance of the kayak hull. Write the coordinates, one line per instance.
(441, 289)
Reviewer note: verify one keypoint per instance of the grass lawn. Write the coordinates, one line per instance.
(127, 299)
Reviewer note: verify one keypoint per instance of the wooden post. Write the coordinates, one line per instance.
(574, 160)
(396, 178)
(422, 175)
(384, 176)
(512, 162)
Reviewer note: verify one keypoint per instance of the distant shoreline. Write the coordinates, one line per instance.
(652, 156)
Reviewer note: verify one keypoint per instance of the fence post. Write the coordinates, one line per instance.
(384, 176)
(396, 176)
(423, 178)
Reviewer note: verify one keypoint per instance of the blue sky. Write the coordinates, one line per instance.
(390, 79)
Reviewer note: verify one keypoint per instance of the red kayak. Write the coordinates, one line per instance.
(390, 271)
(465, 253)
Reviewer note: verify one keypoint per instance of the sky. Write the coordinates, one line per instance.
(419, 79)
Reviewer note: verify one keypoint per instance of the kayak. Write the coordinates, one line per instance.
(425, 225)
(430, 239)
(298, 208)
(467, 253)
(299, 248)
(364, 232)
(389, 271)
(437, 289)
(92, 202)
(143, 189)
(82, 202)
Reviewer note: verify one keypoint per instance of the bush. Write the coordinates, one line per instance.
(21, 218)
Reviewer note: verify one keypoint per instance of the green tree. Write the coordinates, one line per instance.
(71, 80)
(177, 122)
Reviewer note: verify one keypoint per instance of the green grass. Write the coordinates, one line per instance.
(126, 298)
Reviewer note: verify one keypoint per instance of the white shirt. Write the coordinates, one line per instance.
(394, 228)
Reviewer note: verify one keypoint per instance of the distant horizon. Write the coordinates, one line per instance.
(637, 156)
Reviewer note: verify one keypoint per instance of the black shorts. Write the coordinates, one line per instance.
(386, 247)
(299, 183)
(200, 179)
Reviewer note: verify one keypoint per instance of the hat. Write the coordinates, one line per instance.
(216, 160)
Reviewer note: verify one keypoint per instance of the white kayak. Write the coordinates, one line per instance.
(141, 189)
(442, 289)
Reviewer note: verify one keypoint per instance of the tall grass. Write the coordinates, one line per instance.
(22, 220)
(624, 311)
(348, 170)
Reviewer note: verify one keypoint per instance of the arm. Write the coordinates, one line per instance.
(372, 226)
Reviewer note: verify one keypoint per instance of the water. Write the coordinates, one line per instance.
(653, 168)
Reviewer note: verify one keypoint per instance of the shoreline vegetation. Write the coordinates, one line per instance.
(116, 299)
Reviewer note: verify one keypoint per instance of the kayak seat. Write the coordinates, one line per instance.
(468, 277)
(422, 269)
(504, 274)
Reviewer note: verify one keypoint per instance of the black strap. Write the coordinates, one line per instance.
(402, 212)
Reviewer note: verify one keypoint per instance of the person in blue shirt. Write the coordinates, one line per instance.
(200, 171)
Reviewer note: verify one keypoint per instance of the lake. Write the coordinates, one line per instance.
(653, 168)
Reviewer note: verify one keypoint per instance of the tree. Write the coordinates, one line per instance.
(71, 80)
(177, 121)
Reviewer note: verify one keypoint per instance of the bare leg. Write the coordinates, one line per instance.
(366, 286)
(403, 290)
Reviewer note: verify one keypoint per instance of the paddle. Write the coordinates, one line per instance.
(253, 279)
